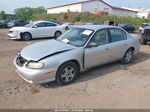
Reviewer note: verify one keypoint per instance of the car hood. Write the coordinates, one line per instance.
(41, 50)
(18, 28)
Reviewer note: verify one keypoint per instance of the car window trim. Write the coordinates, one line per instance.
(45, 23)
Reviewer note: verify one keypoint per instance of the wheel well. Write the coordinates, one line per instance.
(132, 48)
(74, 61)
(77, 63)
(24, 33)
(58, 31)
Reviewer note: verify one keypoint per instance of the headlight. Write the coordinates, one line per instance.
(35, 65)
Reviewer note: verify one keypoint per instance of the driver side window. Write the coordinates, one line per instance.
(100, 37)
(40, 25)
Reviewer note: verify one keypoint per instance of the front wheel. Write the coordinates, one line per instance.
(128, 56)
(26, 36)
(67, 73)
(143, 41)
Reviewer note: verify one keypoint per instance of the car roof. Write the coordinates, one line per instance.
(95, 27)
(44, 21)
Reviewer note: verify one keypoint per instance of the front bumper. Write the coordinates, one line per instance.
(38, 76)
(13, 36)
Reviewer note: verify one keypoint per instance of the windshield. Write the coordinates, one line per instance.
(76, 36)
(29, 25)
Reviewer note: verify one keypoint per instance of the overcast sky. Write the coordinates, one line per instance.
(9, 5)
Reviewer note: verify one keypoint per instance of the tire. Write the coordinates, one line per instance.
(67, 73)
(57, 34)
(128, 56)
(143, 41)
(26, 37)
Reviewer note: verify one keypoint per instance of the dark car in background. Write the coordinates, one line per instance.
(128, 27)
(145, 36)
(3, 23)
(14, 23)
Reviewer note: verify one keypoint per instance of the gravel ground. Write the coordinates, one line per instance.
(111, 86)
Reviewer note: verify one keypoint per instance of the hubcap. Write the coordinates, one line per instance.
(68, 74)
(128, 56)
(26, 37)
(58, 34)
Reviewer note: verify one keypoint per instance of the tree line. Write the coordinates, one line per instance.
(26, 13)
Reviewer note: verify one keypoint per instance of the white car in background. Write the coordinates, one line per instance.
(68, 25)
(144, 25)
(38, 29)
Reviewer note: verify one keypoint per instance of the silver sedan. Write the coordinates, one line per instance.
(79, 49)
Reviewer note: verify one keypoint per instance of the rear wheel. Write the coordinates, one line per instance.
(26, 36)
(57, 34)
(128, 56)
(67, 73)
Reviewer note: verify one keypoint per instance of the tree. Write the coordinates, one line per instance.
(27, 13)
(39, 10)
(2, 15)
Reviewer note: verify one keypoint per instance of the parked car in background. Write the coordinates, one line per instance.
(128, 27)
(145, 36)
(14, 23)
(68, 25)
(38, 29)
(111, 23)
(89, 24)
(3, 23)
(79, 49)
(144, 25)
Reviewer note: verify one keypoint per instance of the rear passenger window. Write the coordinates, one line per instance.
(50, 24)
(40, 25)
(117, 35)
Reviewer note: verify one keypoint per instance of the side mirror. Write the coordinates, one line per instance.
(92, 44)
(34, 26)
